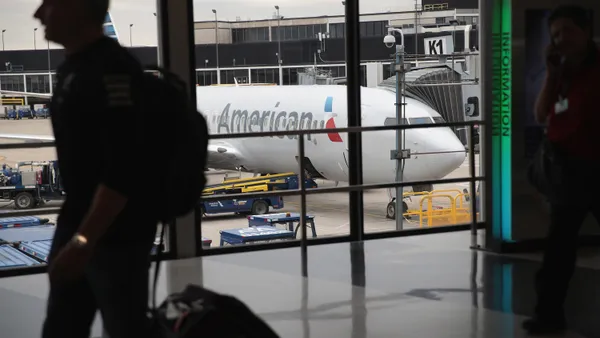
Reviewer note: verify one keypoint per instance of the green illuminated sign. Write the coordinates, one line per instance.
(501, 120)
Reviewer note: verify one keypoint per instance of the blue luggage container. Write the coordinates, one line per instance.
(22, 221)
(38, 249)
(11, 258)
(28, 234)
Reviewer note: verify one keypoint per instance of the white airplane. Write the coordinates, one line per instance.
(435, 152)
(275, 108)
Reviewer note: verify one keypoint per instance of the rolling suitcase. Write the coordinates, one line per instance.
(198, 312)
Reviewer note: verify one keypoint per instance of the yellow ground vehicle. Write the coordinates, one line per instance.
(268, 182)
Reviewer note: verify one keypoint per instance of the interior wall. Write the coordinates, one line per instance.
(530, 212)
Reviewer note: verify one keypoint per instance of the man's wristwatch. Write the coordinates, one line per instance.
(79, 240)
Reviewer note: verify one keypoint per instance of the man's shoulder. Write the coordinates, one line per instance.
(118, 59)
(112, 66)
(112, 58)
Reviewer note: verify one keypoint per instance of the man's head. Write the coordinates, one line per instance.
(67, 20)
(570, 29)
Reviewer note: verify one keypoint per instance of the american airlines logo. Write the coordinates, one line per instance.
(243, 121)
(333, 137)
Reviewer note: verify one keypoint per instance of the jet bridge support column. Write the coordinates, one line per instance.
(398, 153)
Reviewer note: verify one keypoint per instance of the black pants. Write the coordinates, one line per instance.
(115, 282)
(560, 254)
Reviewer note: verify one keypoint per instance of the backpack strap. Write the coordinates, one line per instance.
(154, 309)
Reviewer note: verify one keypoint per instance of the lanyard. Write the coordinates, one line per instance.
(564, 85)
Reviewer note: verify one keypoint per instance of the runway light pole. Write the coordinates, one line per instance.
(4, 30)
(157, 49)
(34, 38)
(216, 37)
(279, 58)
(345, 56)
(49, 69)
(217, 45)
(130, 35)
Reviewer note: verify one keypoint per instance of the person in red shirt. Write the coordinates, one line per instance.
(568, 105)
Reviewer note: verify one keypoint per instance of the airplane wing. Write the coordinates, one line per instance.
(221, 155)
(27, 138)
(13, 93)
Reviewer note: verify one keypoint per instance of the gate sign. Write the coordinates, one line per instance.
(439, 45)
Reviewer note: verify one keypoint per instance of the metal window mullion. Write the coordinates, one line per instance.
(354, 117)
(485, 135)
(472, 186)
(176, 50)
(303, 243)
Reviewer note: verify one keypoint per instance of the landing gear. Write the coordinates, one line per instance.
(391, 209)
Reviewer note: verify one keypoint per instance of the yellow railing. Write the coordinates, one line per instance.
(431, 215)
(456, 212)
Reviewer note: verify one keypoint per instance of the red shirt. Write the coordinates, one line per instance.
(577, 129)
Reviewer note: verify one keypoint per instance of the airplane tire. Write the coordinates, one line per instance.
(391, 209)
(24, 200)
(260, 208)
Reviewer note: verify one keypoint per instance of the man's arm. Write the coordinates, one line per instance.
(546, 99)
(116, 122)
(105, 208)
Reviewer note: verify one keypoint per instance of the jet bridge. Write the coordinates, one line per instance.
(440, 87)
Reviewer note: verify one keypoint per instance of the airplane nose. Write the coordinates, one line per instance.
(456, 159)
(451, 151)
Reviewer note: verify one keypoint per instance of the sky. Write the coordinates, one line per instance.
(16, 16)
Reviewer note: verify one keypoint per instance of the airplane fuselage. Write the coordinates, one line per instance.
(288, 108)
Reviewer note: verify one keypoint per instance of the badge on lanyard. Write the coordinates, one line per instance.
(561, 106)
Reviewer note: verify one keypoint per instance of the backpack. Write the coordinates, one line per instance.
(199, 312)
(175, 132)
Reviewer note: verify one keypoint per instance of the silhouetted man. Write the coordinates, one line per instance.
(568, 105)
(101, 250)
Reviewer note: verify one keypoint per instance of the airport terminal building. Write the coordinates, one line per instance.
(274, 50)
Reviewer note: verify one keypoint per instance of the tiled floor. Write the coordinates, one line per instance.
(423, 286)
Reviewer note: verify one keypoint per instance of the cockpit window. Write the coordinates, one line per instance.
(391, 121)
(438, 119)
(420, 120)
